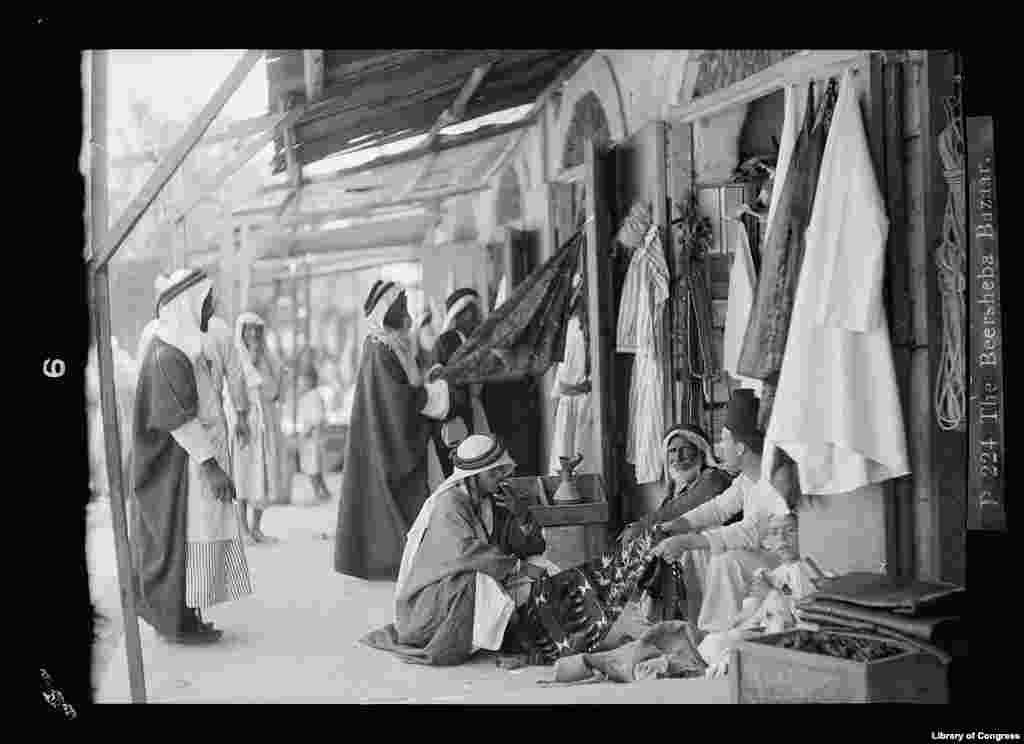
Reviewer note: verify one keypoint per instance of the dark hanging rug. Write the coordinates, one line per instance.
(526, 334)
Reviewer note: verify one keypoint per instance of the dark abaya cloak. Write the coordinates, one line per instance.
(384, 482)
(165, 400)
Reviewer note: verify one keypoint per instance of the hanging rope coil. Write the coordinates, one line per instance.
(951, 260)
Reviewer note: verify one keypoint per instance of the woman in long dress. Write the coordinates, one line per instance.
(257, 464)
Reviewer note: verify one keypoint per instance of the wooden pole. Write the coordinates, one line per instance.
(295, 348)
(108, 393)
(309, 304)
(599, 304)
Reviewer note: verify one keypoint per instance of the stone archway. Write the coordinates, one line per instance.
(588, 121)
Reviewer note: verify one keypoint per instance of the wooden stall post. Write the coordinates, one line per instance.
(886, 127)
(599, 303)
(949, 449)
(105, 356)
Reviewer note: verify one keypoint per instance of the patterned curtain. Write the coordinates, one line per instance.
(526, 335)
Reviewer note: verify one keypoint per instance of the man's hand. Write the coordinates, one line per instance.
(242, 429)
(506, 497)
(532, 571)
(631, 532)
(672, 548)
(219, 482)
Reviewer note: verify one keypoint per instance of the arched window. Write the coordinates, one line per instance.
(588, 121)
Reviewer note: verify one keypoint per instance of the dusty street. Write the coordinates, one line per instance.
(296, 640)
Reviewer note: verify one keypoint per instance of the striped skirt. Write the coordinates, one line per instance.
(215, 572)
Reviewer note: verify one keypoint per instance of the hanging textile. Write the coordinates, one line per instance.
(632, 235)
(526, 335)
(648, 276)
(742, 281)
(695, 361)
(573, 434)
(702, 363)
(794, 106)
(839, 415)
(764, 342)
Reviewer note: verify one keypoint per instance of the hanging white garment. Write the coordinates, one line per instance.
(795, 104)
(837, 410)
(573, 432)
(742, 283)
(646, 393)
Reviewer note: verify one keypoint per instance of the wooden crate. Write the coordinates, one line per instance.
(762, 673)
(575, 533)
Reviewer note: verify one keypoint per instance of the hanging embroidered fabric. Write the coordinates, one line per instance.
(526, 334)
(696, 358)
(647, 386)
(839, 412)
(632, 236)
(703, 362)
(764, 342)
(573, 420)
(742, 281)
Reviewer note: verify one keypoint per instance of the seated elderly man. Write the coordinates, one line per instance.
(467, 564)
(736, 549)
(692, 477)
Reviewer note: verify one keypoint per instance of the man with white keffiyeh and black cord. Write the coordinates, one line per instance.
(188, 551)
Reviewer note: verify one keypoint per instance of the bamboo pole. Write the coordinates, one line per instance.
(105, 356)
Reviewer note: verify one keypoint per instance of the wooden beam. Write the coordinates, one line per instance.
(799, 68)
(233, 131)
(322, 262)
(454, 113)
(170, 164)
(105, 356)
(575, 174)
(236, 163)
(599, 304)
(446, 143)
(364, 209)
(291, 201)
(402, 157)
(354, 237)
(502, 159)
(885, 130)
(950, 449)
(428, 163)
(449, 116)
(313, 67)
(352, 261)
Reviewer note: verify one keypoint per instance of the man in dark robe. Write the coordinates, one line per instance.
(384, 482)
(463, 316)
(467, 565)
(508, 409)
(166, 433)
